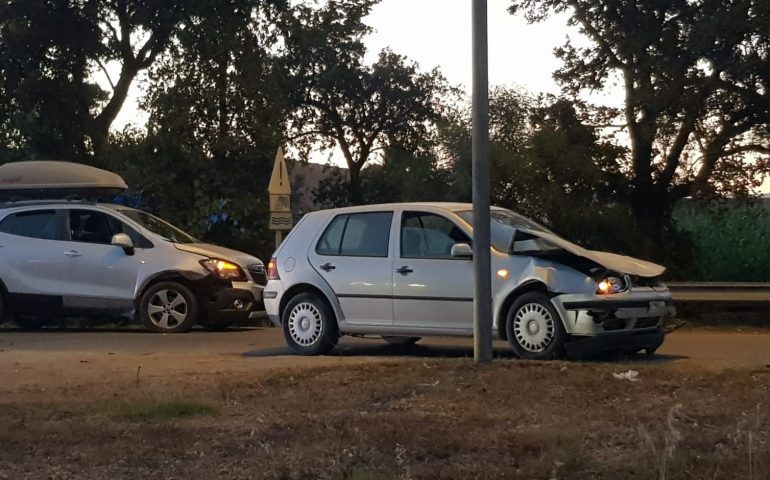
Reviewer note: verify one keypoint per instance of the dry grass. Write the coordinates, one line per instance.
(406, 420)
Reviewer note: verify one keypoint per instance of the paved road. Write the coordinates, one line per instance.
(40, 359)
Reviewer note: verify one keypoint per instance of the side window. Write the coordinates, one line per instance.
(89, 226)
(35, 224)
(426, 235)
(357, 235)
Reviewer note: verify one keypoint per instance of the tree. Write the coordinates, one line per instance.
(364, 108)
(697, 90)
(49, 52)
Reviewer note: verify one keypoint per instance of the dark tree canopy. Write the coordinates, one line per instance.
(696, 76)
(49, 53)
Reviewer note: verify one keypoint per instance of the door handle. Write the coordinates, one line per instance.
(327, 267)
(404, 270)
(73, 253)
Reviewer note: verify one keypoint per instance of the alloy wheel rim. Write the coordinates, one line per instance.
(167, 309)
(305, 324)
(534, 327)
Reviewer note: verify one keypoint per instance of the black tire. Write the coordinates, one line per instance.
(650, 351)
(309, 325)
(176, 314)
(535, 330)
(393, 340)
(27, 322)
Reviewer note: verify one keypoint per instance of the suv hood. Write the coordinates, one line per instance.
(610, 261)
(215, 251)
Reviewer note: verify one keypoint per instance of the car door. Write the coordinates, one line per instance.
(31, 257)
(353, 255)
(431, 289)
(98, 275)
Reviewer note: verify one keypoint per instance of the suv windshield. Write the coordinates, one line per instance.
(504, 224)
(159, 227)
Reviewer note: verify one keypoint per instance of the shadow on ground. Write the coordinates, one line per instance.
(443, 351)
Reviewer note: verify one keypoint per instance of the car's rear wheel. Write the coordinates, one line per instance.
(401, 340)
(534, 328)
(168, 307)
(309, 325)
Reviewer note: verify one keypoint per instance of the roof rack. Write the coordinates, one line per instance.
(45, 179)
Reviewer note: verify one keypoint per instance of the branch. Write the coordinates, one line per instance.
(594, 33)
(757, 148)
(106, 73)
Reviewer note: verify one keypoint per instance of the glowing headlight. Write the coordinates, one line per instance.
(611, 285)
(224, 270)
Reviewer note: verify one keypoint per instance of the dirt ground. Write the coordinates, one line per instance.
(234, 405)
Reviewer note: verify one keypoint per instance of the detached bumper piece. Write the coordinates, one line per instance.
(618, 340)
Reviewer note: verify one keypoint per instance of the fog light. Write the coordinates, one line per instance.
(238, 304)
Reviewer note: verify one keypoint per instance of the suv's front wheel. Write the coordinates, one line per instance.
(309, 325)
(168, 307)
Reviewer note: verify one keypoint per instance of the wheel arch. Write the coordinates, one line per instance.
(295, 290)
(183, 278)
(526, 287)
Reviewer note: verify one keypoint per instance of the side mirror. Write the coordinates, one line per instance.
(123, 241)
(461, 250)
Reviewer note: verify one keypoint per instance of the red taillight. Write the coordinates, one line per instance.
(272, 270)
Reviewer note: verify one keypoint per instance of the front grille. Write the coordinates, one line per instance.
(258, 274)
(637, 281)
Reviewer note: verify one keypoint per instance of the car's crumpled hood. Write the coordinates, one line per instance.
(610, 261)
(215, 251)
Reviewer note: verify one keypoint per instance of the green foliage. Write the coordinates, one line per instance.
(730, 242)
(697, 91)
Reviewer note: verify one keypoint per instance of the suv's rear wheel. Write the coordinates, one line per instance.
(534, 328)
(168, 307)
(309, 325)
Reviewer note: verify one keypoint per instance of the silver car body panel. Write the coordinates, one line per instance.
(436, 297)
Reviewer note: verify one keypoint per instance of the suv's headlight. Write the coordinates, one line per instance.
(611, 284)
(224, 270)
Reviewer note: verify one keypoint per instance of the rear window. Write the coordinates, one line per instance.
(36, 224)
(357, 235)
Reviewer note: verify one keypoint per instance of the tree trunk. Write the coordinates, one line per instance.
(354, 185)
(100, 126)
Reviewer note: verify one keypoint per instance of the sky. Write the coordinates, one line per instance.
(437, 33)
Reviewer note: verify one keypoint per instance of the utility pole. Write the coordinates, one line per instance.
(482, 284)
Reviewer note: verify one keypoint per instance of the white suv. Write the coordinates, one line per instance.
(79, 258)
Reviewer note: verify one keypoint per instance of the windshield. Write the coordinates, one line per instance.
(159, 227)
(504, 224)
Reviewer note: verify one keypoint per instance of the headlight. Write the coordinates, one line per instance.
(224, 270)
(611, 284)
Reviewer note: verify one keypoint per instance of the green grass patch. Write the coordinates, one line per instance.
(166, 410)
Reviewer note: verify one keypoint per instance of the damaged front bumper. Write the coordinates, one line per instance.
(627, 321)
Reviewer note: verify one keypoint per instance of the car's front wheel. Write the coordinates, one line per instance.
(168, 307)
(534, 328)
(309, 325)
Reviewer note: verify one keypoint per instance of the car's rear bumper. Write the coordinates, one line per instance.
(618, 340)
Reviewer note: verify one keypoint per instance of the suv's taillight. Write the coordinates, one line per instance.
(272, 270)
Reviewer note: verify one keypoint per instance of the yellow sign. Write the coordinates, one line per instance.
(280, 196)
(280, 203)
(280, 220)
(279, 180)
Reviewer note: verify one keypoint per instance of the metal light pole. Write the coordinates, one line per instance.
(482, 285)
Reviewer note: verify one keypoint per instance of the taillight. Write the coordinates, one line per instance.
(272, 270)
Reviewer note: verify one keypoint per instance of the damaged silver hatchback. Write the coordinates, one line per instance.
(404, 271)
